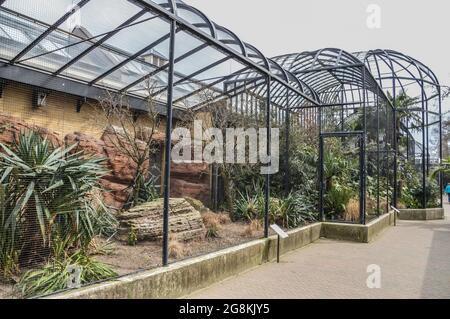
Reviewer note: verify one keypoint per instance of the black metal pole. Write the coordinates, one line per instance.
(378, 151)
(320, 177)
(424, 197)
(427, 143)
(395, 191)
(407, 140)
(168, 145)
(287, 152)
(278, 248)
(320, 168)
(362, 208)
(268, 145)
(362, 193)
(342, 108)
(387, 148)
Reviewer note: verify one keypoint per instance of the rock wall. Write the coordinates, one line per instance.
(191, 180)
(187, 180)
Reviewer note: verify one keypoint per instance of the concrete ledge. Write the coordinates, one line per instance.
(187, 276)
(421, 214)
(358, 233)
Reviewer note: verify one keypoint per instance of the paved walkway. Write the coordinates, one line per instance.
(414, 259)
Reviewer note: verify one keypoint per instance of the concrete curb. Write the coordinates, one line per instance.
(185, 277)
(421, 214)
(357, 233)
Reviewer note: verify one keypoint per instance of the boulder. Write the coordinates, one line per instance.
(145, 222)
(122, 166)
(115, 195)
(90, 145)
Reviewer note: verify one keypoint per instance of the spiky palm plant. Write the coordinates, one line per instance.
(49, 191)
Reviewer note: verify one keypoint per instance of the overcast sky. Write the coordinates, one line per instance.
(419, 28)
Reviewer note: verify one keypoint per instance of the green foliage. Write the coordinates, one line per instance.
(132, 237)
(48, 192)
(412, 193)
(341, 175)
(212, 231)
(303, 164)
(300, 209)
(9, 256)
(249, 206)
(444, 168)
(143, 191)
(337, 198)
(293, 211)
(55, 275)
(245, 177)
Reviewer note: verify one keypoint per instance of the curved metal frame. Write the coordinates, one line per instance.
(288, 84)
(332, 73)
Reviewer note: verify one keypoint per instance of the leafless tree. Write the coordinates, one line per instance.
(133, 135)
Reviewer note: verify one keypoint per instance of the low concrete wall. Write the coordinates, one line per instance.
(187, 276)
(421, 214)
(358, 233)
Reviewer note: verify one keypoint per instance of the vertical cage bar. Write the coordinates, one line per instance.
(395, 142)
(321, 183)
(288, 131)
(377, 101)
(268, 145)
(424, 197)
(165, 258)
(362, 208)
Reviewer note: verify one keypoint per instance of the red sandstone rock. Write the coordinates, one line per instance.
(90, 145)
(11, 127)
(181, 188)
(188, 180)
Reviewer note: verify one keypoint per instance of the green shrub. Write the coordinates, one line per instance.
(336, 200)
(293, 211)
(412, 195)
(300, 209)
(412, 192)
(249, 207)
(55, 275)
(48, 192)
(212, 232)
(143, 191)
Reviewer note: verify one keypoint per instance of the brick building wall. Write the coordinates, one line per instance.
(60, 117)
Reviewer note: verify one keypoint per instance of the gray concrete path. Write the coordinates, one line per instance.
(414, 259)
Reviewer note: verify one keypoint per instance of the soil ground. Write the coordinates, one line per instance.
(125, 259)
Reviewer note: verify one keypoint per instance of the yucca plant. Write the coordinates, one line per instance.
(299, 209)
(55, 275)
(49, 191)
(248, 207)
